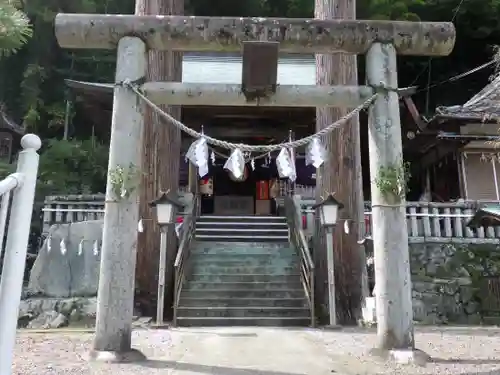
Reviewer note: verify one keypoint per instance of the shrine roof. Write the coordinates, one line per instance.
(483, 107)
(6, 122)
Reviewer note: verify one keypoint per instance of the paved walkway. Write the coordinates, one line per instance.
(261, 351)
(222, 351)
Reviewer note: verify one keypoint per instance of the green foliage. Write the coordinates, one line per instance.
(393, 181)
(14, 28)
(72, 167)
(32, 81)
(124, 181)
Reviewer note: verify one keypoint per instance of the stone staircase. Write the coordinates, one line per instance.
(245, 283)
(242, 228)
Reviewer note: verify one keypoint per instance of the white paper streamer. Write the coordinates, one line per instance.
(212, 157)
(49, 244)
(123, 191)
(140, 226)
(346, 227)
(236, 164)
(80, 248)
(96, 248)
(198, 155)
(252, 164)
(62, 247)
(315, 153)
(285, 165)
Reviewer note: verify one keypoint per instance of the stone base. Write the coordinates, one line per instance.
(133, 355)
(403, 356)
(332, 327)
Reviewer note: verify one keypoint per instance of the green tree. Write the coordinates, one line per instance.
(14, 28)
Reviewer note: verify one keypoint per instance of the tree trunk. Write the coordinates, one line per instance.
(161, 153)
(341, 175)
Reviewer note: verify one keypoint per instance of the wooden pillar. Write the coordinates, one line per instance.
(118, 253)
(161, 149)
(341, 175)
(390, 234)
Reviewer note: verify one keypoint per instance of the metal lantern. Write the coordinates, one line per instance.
(166, 208)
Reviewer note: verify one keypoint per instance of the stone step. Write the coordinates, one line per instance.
(245, 260)
(235, 232)
(222, 255)
(255, 246)
(267, 225)
(242, 312)
(196, 285)
(243, 322)
(241, 237)
(240, 219)
(243, 293)
(235, 269)
(243, 302)
(228, 278)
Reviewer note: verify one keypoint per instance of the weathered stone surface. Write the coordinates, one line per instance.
(55, 312)
(454, 283)
(450, 282)
(48, 319)
(189, 33)
(73, 273)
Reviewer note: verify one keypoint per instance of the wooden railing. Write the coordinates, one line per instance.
(299, 242)
(185, 236)
(64, 209)
(429, 222)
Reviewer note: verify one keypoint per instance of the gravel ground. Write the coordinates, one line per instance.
(264, 351)
(454, 350)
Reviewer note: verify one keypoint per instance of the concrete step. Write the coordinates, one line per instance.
(242, 312)
(243, 293)
(210, 277)
(243, 302)
(243, 269)
(196, 285)
(243, 322)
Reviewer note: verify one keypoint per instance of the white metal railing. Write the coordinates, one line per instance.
(22, 187)
(430, 221)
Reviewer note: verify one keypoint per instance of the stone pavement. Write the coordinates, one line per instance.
(260, 351)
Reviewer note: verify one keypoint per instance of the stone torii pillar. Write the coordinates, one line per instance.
(381, 40)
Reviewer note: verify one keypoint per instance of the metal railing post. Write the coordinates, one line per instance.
(16, 248)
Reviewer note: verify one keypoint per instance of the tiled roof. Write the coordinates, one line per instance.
(484, 106)
(7, 123)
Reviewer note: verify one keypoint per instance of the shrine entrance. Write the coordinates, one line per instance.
(253, 194)
(261, 40)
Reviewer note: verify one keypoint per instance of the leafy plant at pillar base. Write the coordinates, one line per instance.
(392, 181)
(124, 181)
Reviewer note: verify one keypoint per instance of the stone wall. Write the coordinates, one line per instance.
(452, 283)
(455, 283)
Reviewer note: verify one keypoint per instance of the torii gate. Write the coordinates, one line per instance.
(133, 35)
